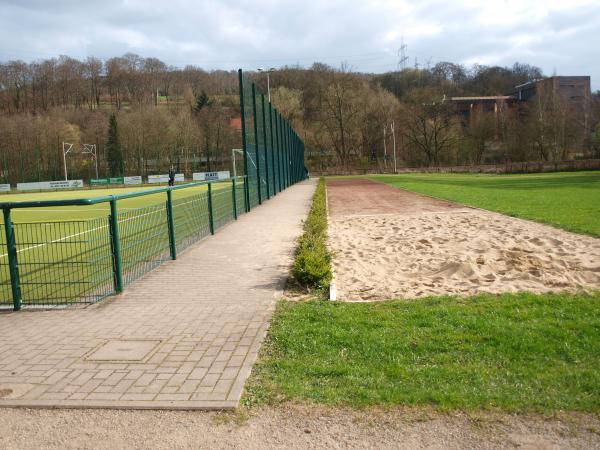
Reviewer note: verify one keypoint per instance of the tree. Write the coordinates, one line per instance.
(202, 100)
(430, 131)
(114, 153)
(596, 141)
(341, 111)
(481, 129)
(551, 124)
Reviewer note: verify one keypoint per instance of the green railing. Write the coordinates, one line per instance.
(83, 261)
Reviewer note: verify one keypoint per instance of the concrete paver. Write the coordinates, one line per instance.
(185, 336)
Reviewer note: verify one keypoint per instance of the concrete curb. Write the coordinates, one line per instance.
(332, 285)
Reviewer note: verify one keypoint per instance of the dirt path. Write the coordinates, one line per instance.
(293, 427)
(389, 243)
(361, 197)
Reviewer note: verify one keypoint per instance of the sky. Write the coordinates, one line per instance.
(561, 37)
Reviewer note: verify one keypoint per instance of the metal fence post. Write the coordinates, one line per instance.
(273, 172)
(13, 264)
(256, 144)
(244, 143)
(233, 199)
(283, 154)
(264, 122)
(246, 192)
(211, 223)
(115, 242)
(287, 156)
(278, 155)
(171, 225)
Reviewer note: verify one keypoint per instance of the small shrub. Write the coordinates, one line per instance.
(312, 265)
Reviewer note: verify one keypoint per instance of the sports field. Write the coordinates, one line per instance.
(393, 243)
(64, 253)
(64, 213)
(448, 306)
(569, 200)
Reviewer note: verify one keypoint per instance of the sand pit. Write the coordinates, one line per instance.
(439, 248)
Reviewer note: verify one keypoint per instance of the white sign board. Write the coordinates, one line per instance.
(4, 187)
(209, 176)
(132, 180)
(165, 178)
(63, 184)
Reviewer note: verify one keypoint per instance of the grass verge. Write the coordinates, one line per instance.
(517, 353)
(312, 263)
(567, 200)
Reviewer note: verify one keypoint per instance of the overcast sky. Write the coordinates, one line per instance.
(560, 36)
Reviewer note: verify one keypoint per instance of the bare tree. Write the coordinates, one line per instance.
(430, 130)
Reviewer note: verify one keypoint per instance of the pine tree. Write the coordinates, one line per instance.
(201, 101)
(114, 154)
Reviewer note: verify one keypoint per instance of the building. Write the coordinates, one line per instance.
(573, 92)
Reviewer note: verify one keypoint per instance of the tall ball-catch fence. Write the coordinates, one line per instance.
(273, 151)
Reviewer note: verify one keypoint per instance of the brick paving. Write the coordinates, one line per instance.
(185, 336)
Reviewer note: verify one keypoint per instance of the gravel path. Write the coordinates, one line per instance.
(293, 427)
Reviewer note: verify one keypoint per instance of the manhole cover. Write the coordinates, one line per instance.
(123, 350)
(5, 392)
(11, 391)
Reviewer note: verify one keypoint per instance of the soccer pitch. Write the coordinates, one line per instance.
(65, 254)
(64, 213)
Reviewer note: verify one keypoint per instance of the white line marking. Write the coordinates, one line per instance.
(77, 234)
(45, 209)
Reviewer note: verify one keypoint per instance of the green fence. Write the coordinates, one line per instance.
(53, 263)
(273, 152)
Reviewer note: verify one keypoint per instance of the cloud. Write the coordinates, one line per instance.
(555, 35)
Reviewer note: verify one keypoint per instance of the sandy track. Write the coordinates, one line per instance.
(294, 427)
(432, 247)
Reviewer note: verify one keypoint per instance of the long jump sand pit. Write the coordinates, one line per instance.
(389, 243)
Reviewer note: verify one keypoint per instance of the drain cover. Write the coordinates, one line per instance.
(11, 391)
(123, 350)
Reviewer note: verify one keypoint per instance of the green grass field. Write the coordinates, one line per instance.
(512, 352)
(569, 200)
(519, 353)
(91, 211)
(64, 253)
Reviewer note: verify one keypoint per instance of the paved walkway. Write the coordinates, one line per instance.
(183, 337)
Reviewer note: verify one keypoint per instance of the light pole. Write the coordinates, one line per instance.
(66, 147)
(268, 71)
(394, 136)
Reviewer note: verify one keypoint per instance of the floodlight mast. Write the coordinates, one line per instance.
(394, 141)
(384, 148)
(268, 71)
(66, 148)
(393, 130)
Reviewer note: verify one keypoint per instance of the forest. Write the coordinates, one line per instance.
(188, 117)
